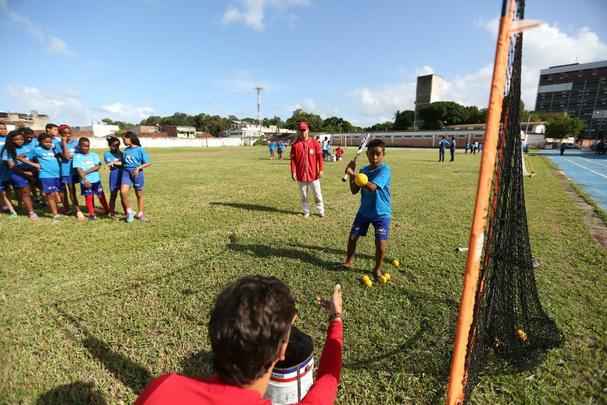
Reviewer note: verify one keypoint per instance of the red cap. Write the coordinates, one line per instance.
(63, 127)
(303, 126)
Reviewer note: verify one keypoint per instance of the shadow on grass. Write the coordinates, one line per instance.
(129, 372)
(339, 252)
(428, 350)
(77, 393)
(254, 207)
(263, 251)
(198, 365)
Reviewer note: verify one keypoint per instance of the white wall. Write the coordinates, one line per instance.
(175, 142)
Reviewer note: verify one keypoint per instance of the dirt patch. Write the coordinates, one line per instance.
(598, 228)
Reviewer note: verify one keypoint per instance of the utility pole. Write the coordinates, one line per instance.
(259, 90)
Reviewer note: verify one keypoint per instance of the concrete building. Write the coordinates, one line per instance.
(144, 130)
(577, 89)
(35, 121)
(177, 131)
(428, 90)
(98, 130)
(249, 133)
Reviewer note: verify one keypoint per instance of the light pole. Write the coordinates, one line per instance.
(259, 89)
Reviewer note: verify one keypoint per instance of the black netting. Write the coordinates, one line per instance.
(510, 330)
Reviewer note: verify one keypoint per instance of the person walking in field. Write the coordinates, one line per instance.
(452, 146)
(306, 168)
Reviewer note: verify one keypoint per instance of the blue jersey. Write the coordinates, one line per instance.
(29, 147)
(23, 150)
(4, 173)
(56, 141)
(376, 204)
(134, 156)
(66, 165)
(49, 164)
(85, 162)
(109, 157)
(443, 143)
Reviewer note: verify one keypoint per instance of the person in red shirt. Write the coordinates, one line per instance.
(249, 331)
(306, 168)
(339, 152)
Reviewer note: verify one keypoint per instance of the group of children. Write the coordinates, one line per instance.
(277, 147)
(51, 164)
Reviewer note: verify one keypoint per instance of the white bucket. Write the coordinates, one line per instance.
(290, 385)
(292, 378)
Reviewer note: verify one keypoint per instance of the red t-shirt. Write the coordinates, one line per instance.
(306, 159)
(176, 389)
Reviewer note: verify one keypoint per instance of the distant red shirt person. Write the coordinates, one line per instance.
(339, 152)
(249, 331)
(306, 168)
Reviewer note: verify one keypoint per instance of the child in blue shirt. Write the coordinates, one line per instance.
(113, 160)
(69, 177)
(5, 177)
(87, 164)
(49, 171)
(375, 204)
(134, 159)
(20, 173)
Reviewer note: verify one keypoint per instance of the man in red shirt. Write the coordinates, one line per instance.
(306, 168)
(249, 332)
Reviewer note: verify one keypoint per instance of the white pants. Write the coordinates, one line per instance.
(303, 191)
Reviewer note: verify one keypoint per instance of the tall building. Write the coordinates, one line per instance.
(428, 90)
(35, 121)
(577, 89)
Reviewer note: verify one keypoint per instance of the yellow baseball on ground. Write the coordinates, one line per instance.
(395, 263)
(383, 279)
(366, 281)
(361, 179)
(521, 335)
(387, 276)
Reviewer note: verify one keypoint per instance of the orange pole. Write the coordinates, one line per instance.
(458, 372)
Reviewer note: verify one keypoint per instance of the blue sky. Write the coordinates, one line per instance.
(81, 61)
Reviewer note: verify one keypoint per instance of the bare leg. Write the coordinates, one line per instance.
(65, 199)
(74, 198)
(26, 199)
(51, 201)
(139, 194)
(124, 194)
(7, 202)
(380, 252)
(113, 196)
(351, 250)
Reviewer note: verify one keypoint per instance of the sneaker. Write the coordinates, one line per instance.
(140, 217)
(13, 215)
(92, 218)
(321, 214)
(130, 217)
(33, 216)
(306, 215)
(80, 216)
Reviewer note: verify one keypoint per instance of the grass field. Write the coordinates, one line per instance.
(91, 311)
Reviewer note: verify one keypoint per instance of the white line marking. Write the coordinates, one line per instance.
(597, 161)
(587, 168)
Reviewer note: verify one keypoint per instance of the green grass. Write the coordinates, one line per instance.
(91, 311)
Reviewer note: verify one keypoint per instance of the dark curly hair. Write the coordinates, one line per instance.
(250, 320)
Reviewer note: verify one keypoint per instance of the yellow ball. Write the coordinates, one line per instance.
(521, 335)
(395, 263)
(383, 279)
(367, 281)
(361, 179)
(387, 276)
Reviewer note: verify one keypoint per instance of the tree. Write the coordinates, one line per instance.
(383, 126)
(403, 120)
(121, 124)
(313, 120)
(336, 125)
(562, 125)
(442, 113)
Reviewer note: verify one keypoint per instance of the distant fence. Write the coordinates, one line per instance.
(417, 139)
(100, 143)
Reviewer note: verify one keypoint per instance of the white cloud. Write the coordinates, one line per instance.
(68, 106)
(52, 43)
(126, 112)
(60, 106)
(252, 12)
(542, 47)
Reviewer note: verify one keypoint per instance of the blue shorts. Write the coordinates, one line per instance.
(51, 185)
(94, 189)
(4, 185)
(129, 180)
(115, 180)
(67, 180)
(381, 225)
(19, 181)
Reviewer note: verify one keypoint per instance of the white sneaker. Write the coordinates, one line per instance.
(306, 215)
(321, 214)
